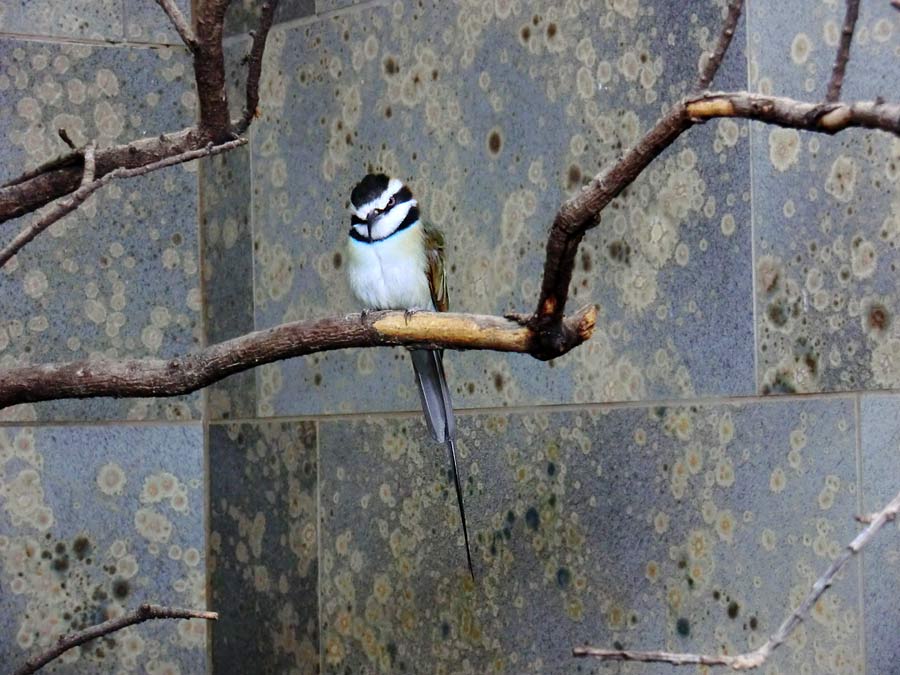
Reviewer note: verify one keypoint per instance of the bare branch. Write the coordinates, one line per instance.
(708, 73)
(61, 176)
(582, 212)
(758, 656)
(89, 186)
(64, 135)
(254, 65)
(140, 615)
(160, 377)
(843, 52)
(180, 22)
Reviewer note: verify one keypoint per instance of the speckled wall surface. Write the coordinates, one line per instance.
(100, 516)
(676, 483)
(746, 262)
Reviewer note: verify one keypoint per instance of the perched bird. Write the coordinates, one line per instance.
(395, 261)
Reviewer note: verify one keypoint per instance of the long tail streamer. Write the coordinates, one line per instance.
(438, 409)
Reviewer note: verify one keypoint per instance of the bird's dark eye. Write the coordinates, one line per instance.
(389, 204)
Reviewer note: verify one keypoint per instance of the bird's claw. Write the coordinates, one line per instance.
(408, 314)
(364, 315)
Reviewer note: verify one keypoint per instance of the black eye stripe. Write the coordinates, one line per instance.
(356, 220)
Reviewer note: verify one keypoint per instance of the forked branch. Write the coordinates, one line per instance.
(843, 52)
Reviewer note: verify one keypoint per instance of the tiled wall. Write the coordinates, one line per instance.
(677, 482)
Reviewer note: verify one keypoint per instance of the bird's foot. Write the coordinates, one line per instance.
(408, 314)
(364, 315)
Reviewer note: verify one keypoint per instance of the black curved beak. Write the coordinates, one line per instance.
(369, 221)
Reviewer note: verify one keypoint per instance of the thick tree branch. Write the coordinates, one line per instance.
(254, 65)
(180, 22)
(171, 377)
(711, 67)
(843, 52)
(209, 70)
(89, 186)
(758, 656)
(140, 615)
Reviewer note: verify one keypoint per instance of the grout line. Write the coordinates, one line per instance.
(121, 422)
(319, 545)
(251, 223)
(860, 509)
(557, 407)
(90, 42)
(207, 532)
(753, 307)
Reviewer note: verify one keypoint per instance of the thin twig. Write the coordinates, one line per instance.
(140, 615)
(254, 65)
(180, 22)
(64, 135)
(89, 186)
(182, 375)
(843, 52)
(715, 59)
(758, 656)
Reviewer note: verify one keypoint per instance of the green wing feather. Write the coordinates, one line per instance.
(437, 276)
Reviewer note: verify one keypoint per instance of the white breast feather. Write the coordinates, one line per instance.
(390, 274)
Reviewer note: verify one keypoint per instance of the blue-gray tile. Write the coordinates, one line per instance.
(421, 93)
(94, 522)
(685, 528)
(825, 218)
(880, 447)
(228, 273)
(120, 276)
(145, 21)
(263, 548)
(94, 19)
(243, 15)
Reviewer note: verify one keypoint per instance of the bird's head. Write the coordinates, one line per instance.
(379, 206)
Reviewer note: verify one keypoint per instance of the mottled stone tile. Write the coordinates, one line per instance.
(119, 277)
(243, 15)
(685, 528)
(94, 19)
(147, 22)
(826, 215)
(95, 521)
(263, 549)
(880, 449)
(495, 113)
(226, 239)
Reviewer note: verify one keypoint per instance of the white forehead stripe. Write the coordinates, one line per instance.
(394, 185)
